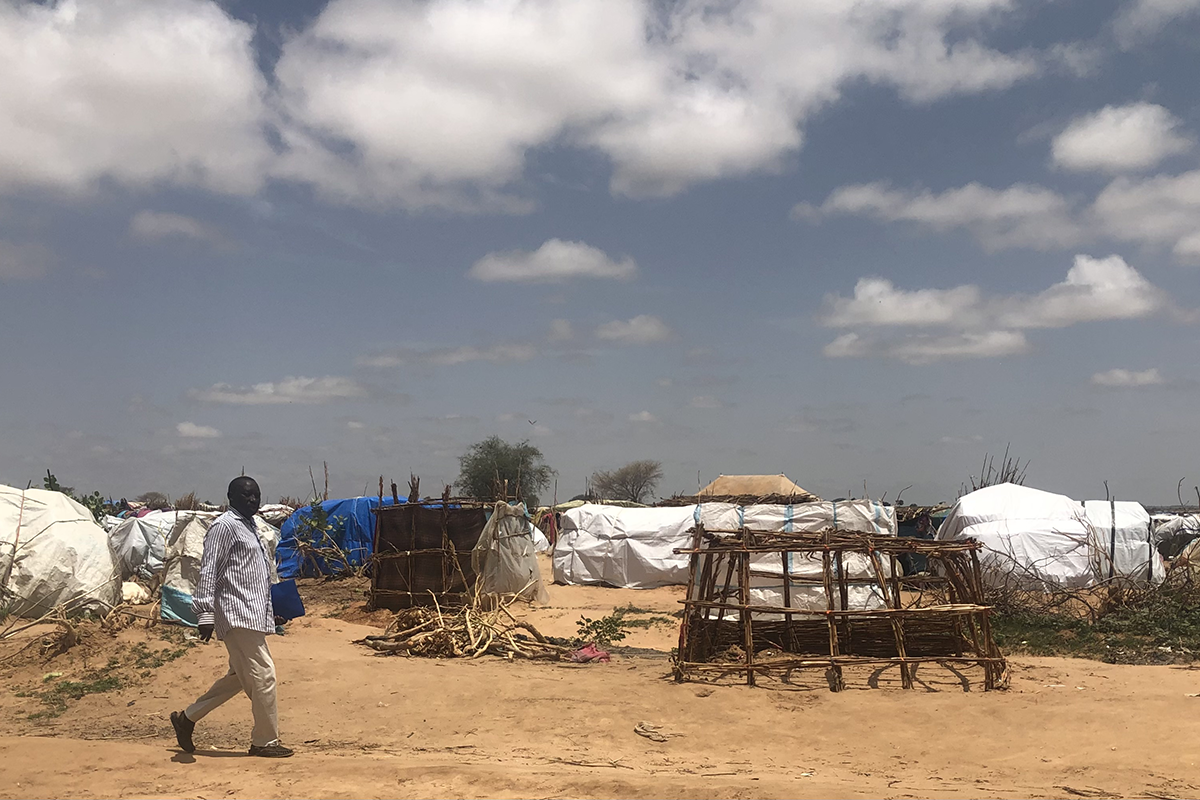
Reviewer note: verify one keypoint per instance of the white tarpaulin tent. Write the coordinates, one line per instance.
(624, 547)
(505, 558)
(52, 553)
(1035, 538)
(185, 548)
(1125, 549)
(1042, 540)
(766, 569)
(1174, 533)
(139, 544)
(634, 547)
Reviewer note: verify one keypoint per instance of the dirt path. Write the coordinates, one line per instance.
(372, 726)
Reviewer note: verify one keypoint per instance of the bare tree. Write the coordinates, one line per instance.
(634, 482)
(154, 500)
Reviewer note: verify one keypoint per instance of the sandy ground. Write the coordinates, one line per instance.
(366, 725)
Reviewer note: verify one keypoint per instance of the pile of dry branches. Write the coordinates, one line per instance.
(474, 630)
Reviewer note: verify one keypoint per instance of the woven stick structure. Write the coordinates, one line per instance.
(767, 603)
(423, 553)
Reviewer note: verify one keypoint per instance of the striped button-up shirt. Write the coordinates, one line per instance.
(235, 579)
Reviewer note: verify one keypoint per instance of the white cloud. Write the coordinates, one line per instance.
(554, 261)
(1125, 379)
(495, 353)
(449, 356)
(927, 348)
(974, 325)
(561, 330)
(1095, 289)
(1021, 215)
(23, 261)
(1164, 209)
(877, 301)
(438, 103)
(310, 391)
(1120, 139)
(1141, 19)
(355, 425)
(642, 329)
(165, 225)
(706, 401)
(642, 416)
(190, 430)
(136, 92)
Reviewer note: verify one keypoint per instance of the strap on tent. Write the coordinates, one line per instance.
(1112, 546)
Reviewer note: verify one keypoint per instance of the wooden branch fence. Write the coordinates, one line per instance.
(767, 603)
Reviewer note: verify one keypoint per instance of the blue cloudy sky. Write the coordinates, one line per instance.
(856, 241)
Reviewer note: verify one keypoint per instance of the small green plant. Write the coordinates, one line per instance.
(50, 483)
(94, 503)
(316, 545)
(605, 631)
(57, 696)
(608, 630)
(145, 658)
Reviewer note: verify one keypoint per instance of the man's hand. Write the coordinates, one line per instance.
(206, 632)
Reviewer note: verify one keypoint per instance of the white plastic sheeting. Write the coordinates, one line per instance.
(139, 544)
(634, 548)
(185, 549)
(1127, 549)
(1035, 538)
(540, 543)
(857, 516)
(766, 583)
(504, 558)
(52, 553)
(630, 548)
(767, 569)
(1176, 531)
(1041, 540)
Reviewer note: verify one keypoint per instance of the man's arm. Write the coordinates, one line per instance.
(216, 554)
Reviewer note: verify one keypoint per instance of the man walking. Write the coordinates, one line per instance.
(233, 599)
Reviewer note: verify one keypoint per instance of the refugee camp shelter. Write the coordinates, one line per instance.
(423, 553)
(53, 554)
(1175, 533)
(351, 530)
(634, 548)
(139, 544)
(1123, 541)
(185, 549)
(1041, 540)
(773, 603)
(755, 486)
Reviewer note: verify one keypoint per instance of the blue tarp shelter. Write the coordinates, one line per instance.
(353, 531)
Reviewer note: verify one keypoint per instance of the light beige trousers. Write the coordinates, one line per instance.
(252, 671)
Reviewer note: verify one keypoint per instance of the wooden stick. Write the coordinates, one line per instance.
(838, 681)
(747, 623)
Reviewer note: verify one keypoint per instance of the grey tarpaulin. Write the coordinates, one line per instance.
(505, 559)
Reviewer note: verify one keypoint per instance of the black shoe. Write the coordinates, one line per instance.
(183, 731)
(271, 751)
